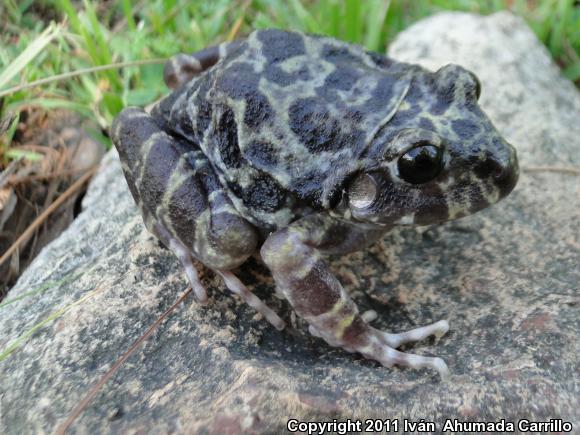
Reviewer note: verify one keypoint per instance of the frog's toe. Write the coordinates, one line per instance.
(237, 287)
(369, 316)
(380, 346)
(437, 329)
(186, 261)
(379, 349)
(196, 285)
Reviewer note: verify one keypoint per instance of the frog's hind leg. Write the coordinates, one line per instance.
(182, 67)
(184, 204)
(294, 255)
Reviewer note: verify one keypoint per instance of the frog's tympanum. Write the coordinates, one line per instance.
(302, 146)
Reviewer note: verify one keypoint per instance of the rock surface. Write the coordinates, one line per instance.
(507, 279)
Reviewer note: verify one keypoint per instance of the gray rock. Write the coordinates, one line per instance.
(507, 279)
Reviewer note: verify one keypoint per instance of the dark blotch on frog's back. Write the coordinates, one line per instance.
(384, 92)
(264, 194)
(278, 45)
(275, 74)
(262, 154)
(226, 137)
(240, 82)
(343, 78)
(318, 130)
(348, 71)
(339, 55)
(308, 188)
(258, 110)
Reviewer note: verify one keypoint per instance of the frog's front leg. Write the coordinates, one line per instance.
(294, 255)
(184, 204)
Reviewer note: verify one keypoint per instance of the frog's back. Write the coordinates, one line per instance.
(285, 117)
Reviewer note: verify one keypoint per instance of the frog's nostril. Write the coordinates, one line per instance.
(506, 176)
(499, 172)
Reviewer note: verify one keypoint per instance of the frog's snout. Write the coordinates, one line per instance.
(503, 171)
(507, 173)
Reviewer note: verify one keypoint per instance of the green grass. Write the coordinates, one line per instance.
(94, 34)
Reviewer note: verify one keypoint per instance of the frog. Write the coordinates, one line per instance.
(297, 147)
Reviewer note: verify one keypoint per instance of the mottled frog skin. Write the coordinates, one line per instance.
(303, 146)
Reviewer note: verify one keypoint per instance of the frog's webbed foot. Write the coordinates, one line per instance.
(317, 296)
(381, 346)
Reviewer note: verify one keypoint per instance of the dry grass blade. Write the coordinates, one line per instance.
(561, 169)
(42, 217)
(95, 388)
(14, 180)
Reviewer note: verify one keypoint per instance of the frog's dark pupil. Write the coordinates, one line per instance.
(420, 164)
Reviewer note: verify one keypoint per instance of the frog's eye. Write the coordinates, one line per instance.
(421, 163)
(362, 192)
